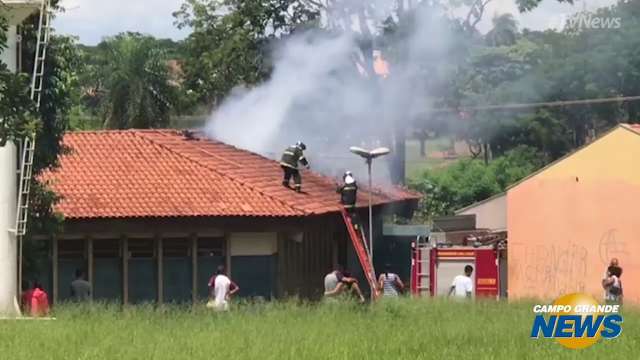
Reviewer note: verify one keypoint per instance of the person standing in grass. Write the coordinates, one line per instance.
(612, 284)
(390, 283)
(221, 289)
(462, 286)
(80, 287)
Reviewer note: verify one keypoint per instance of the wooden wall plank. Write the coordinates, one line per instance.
(160, 271)
(194, 268)
(125, 270)
(54, 270)
(90, 266)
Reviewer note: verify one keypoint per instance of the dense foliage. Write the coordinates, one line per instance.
(49, 122)
(127, 82)
(133, 80)
(231, 39)
(508, 66)
(16, 107)
(470, 180)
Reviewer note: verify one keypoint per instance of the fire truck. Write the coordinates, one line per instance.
(435, 264)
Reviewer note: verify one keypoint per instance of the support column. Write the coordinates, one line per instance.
(54, 270)
(125, 270)
(281, 273)
(90, 265)
(160, 263)
(227, 254)
(194, 268)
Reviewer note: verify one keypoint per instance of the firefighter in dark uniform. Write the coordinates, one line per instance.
(289, 163)
(348, 196)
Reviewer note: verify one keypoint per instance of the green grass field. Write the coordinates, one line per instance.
(416, 165)
(405, 329)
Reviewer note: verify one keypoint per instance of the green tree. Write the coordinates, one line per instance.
(59, 84)
(230, 41)
(468, 181)
(136, 82)
(460, 184)
(16, 107)
(504, 31)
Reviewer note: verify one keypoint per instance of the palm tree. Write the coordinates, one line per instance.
(504, 32)
(136, 78)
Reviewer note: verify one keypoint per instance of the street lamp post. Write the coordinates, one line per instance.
(369, 155)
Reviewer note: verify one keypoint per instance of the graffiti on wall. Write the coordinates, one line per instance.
(548, 270)
(611, 246)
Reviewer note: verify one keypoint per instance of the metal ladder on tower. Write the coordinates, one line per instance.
(29, 142)
(360, 246)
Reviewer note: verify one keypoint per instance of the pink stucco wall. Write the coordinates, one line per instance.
(567, 222)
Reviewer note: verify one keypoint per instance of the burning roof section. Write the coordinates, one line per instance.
(162, 173)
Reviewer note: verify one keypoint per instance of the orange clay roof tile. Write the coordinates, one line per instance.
(159, 173)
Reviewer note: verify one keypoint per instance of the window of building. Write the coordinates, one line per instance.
(71, 249)
(211, 246)
(106, 248)
(141, 248)
(176, 247)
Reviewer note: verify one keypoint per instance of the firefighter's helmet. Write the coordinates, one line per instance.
(301, 145)
(348, 177)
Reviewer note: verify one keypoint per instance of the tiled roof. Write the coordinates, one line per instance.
(159, 173)
(634, 127)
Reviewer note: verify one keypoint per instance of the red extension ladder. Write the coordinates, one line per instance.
(359, 244)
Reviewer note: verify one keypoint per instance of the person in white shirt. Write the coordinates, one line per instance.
(462, 286)
(221, 288)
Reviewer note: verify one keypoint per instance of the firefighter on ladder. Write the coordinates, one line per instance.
(348, 195)
(289, 163)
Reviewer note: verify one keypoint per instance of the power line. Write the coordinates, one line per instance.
(539, 104)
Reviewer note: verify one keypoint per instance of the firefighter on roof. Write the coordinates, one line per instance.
(348, 196)
(289, 163)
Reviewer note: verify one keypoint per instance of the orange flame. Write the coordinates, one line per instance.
(380, 65)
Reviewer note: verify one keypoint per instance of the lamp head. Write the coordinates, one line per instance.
(369, 154)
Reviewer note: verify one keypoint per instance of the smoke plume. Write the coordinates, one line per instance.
(324, 91)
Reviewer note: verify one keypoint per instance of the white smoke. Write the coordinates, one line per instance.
(252, 119)
(317, 95)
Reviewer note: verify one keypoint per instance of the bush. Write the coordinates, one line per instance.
(468, 181)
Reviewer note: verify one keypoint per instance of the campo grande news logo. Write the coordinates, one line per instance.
(577, 321)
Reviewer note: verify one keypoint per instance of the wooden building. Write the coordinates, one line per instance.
(151, 213)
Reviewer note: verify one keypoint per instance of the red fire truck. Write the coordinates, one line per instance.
(433, 268)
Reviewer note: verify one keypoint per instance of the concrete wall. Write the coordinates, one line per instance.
(8, 248)
(567, 222)
(15, 11)
(490, 214)
(253, 243)
(9, 55)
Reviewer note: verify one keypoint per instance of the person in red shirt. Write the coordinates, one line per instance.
(36, 301)
(25, 301)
